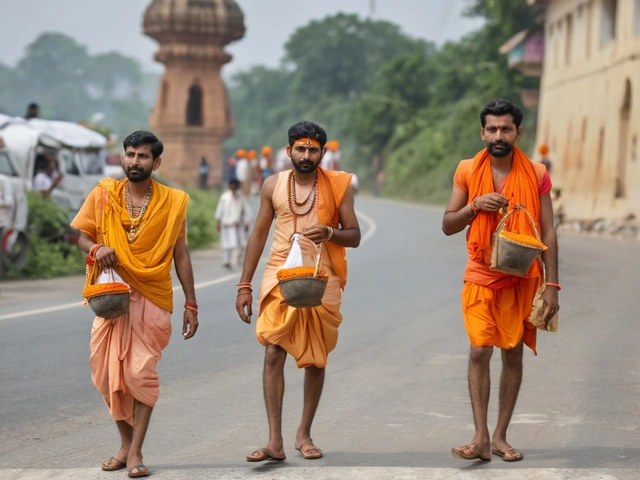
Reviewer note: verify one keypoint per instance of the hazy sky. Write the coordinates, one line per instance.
(104, 25)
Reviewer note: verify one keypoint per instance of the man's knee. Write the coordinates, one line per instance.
(274, 356)
(512, 357)
(480, 355)
(313, 370)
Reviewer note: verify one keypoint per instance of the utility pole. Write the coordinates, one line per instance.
(372, 7)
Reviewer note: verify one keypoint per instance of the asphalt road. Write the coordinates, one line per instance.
(395, 399)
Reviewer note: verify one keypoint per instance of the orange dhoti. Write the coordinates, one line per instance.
(307, 334)
(498, 317)
(124, 354)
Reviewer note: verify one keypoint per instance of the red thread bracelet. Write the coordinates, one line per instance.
(554, 285)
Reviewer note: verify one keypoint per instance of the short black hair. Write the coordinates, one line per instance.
(501, 107)
(306, 129)
(234, 180)
(140, 137)
(33, 106)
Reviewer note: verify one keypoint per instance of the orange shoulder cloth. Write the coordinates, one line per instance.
(332, 186)
(146, 263)
(521, 187)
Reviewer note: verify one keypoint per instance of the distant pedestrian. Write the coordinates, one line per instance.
(546, 161)
(33, 111)
(203, 172)
(232, 221)
(47, 179)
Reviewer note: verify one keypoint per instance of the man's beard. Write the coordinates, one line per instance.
(506, 150)
(310, 168)
(139, 175)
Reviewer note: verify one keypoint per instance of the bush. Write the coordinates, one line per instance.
(49, 254)
(201, 224)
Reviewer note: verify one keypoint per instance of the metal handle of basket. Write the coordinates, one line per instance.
(521, 207)
(318, 258)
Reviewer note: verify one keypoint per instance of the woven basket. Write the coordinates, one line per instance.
(511, 256)
(107, 300)
(305, 291)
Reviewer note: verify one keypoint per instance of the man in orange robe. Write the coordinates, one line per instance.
(136, 227)
(318, 204)
(496, 306)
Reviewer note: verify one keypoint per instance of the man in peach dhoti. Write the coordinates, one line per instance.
(318, 205)
(496, 306)
(136, 227)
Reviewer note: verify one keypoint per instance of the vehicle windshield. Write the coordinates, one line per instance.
(92, 161)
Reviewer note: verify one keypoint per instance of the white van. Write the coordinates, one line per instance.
(14, 211)
(80, 154)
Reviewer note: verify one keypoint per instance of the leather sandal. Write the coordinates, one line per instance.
(310, 453)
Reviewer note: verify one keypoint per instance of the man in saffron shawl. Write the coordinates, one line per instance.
(318, 204)
(136, 227)
(496, 306)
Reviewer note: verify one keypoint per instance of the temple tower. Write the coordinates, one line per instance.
(191, 115)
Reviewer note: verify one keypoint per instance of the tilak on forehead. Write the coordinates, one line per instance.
(306, 142)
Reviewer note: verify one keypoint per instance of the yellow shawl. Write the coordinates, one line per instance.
(146, 263)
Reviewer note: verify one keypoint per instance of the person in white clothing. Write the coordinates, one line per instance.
(232, 217)
(43, 182)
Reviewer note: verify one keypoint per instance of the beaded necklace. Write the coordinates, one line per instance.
(131, 210)
(300, 209)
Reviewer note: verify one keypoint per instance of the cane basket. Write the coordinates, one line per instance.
(303, 287)
(514, 253)
(107, 300)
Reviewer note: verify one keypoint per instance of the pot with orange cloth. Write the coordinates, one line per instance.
(302, 286)
(515, 252)
(105, 292)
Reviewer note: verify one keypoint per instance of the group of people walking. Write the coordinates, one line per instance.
(137, 227)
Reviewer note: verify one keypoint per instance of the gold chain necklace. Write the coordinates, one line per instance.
(133, 232)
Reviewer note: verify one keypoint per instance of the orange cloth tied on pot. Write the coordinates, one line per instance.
(494, 316)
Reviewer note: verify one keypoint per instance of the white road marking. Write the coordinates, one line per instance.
(372, 227)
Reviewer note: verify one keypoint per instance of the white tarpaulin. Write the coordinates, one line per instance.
(69, 134)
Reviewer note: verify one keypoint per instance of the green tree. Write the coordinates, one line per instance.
(336, 56)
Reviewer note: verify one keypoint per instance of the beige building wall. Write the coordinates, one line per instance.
(589, 111)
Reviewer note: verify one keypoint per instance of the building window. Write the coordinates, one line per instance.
(636, 18)
(583, 142)
(589, 20)
(194, 106)
(568, 39)
(608, 22)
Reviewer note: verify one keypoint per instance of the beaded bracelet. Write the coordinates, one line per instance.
(554, 285)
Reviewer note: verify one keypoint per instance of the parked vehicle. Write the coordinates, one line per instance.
(14, 211)
(79, 152)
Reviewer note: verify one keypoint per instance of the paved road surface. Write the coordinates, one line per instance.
(395, 400)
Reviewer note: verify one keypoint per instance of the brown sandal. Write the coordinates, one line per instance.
(509, 455)
(142, 471)
(310, 453)
(112, 465)
(469, 452)
(262, 455)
